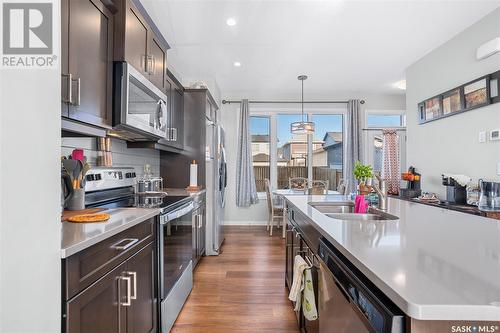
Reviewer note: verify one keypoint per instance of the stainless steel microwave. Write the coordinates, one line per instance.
(140, 109)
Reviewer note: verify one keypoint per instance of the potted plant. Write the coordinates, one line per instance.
(362, 173)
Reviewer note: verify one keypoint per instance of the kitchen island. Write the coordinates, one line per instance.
(433, 263)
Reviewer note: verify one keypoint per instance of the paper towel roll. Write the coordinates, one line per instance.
(193, 174)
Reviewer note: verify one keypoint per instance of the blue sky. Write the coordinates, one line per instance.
(324, 123)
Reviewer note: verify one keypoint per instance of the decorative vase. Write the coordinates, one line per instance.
(363, 188)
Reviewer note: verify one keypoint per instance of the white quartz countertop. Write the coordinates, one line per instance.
(435, 264)
(79, 236)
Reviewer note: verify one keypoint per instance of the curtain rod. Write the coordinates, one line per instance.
(398, 129)
(291, 102)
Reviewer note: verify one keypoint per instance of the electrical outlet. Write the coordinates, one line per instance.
(482, 137)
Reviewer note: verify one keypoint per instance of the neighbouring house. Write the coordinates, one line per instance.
(295, 150)
(320, 157)
(261, 159)
(333, 145)
(260, 145)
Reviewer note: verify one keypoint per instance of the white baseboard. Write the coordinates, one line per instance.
(247, 223)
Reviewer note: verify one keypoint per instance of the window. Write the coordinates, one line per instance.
(260, 132)
(374, 137)
(328, 148)
(291, 159)
(385, 120)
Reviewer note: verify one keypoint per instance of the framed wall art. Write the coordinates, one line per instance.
(469, 96)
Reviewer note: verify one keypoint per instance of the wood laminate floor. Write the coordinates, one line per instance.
(243, 289)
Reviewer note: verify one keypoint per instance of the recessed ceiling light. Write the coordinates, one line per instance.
(237, 64)
(400, 84)
(231, 22)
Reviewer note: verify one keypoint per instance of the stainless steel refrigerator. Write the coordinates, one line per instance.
(216, 177)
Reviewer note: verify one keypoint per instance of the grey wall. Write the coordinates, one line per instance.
(30, 225)
(122, 156)
(451, 144)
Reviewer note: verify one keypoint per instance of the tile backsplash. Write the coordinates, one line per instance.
(122, 156)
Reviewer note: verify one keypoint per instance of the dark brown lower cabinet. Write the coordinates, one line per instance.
(141, 315)
(98, 308)
(122, 301)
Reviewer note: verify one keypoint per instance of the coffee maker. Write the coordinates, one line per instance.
(413, 178)
(455, 193)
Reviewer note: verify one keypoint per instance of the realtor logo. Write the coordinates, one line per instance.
(27, 28)
(28, 34)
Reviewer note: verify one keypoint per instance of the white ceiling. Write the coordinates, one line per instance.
(343, 46)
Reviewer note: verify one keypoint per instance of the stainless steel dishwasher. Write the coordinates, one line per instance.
(348, 302)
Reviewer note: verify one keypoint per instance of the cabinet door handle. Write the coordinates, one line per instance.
(78, 91)
(129, 291)
(145, 66)
(134, 274)
(69, 90)
(200, 221)
(131, 241)
(174, 134)
(149, 60)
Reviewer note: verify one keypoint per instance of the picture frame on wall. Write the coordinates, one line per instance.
(476, 93)
(480, 92)
(452, 101)
(421, 112)
(432, 108)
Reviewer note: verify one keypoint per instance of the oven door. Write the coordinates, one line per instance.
(140, 108)
(176, 245)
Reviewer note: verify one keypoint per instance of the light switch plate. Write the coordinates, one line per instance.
(498, 169)
(495, 135)
(482, 137)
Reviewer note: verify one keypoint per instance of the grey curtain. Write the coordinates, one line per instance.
(246, 191)
(353, 144)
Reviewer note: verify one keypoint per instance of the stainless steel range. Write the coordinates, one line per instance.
(114, 187)
(175, 247)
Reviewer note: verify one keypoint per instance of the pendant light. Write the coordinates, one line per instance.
(302, 127)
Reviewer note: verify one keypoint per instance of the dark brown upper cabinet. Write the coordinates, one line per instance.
(87, 61)
(158, 63)
(139, 42)
(176, 123)
(133, 36)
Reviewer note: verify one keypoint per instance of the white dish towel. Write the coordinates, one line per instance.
(299, 265)
(302, 291)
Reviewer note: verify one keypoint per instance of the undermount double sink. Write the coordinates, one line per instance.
(344, 210)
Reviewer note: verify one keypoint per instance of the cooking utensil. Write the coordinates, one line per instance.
(70, 166)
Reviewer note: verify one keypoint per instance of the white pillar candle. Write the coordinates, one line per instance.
(193, 174)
